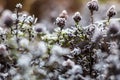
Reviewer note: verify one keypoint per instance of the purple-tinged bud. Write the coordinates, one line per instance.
(113, 28)
(77, 17)
(64, 14)
(8, 22)
(39, 28)
(60, 22)
(111, 11)
(93, 5)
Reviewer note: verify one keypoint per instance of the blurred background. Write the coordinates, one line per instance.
(48, 10)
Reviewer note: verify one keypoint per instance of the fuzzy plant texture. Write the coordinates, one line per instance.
(28, 51)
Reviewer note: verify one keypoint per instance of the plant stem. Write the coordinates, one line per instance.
(58, 40)
(17, 21)
(91, 16)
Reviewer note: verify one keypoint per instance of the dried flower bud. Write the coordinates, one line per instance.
(39, 28)
(60, 22)
(93, 5)
(7, 19)
(8, 22)
(77, 17)
(113, 28)
(111, 11)
(64, 14)
(19, 5)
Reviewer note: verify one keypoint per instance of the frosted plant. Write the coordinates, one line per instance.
(28, 51)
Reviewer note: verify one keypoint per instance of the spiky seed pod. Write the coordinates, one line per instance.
(60, 22)
(111, 11)
(77, 17)
(64, 14)
(93, 5)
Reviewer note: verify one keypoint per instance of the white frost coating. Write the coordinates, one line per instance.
(59, 50)
(68, 63)
(42, 47)
(24, 43)
(55, 58)
(76, 69)
(17, 77)
(24, 60)
(39, 50)
(76, 51)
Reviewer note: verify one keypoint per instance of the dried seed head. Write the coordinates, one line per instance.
(93, 5)
(111, 11)
(19, 5)
(64, 14)
(77, 17)
(60, 22)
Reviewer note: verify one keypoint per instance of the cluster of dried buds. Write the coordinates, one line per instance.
(61, 20)
(93, 6)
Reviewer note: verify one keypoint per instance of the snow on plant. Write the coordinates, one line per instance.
(28, 51)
